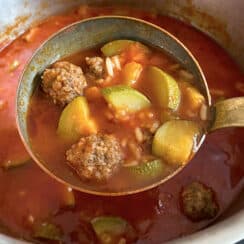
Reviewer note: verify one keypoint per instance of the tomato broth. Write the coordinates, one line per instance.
(32, 203)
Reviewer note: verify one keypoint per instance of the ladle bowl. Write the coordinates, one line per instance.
(91, 33)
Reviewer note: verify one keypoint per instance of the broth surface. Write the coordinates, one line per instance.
(28, 196)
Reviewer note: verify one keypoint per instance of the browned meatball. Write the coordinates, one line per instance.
(63, 82)
(95, 157)
(96, 66)
(198, 202)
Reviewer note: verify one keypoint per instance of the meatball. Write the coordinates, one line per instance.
(198, 202)
(95, 157)
(63, 82)
(96, 66)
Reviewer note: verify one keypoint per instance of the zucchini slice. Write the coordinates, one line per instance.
(110, 228)
(115, 47)
(124, 97)
(174, 141)
(48, 231)
(164, 86)
(148, 170)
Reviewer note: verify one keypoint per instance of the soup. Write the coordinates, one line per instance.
(35, 207)
(124, 116)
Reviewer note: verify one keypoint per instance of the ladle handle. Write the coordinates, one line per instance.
(228, 113)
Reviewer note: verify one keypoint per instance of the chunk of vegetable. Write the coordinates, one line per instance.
(118, 46)
(123, 97)
(165, 88)
(131, 73)
(174, 141)
(137, 52)
(15, 162)
(48, 231)
(108, 229)
(75, 120)
(115, 47)
(93, 93)
(148, 170)
(194, 97)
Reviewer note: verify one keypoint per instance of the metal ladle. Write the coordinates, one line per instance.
(97, 31)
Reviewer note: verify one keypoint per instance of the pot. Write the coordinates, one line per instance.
(223, 20)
